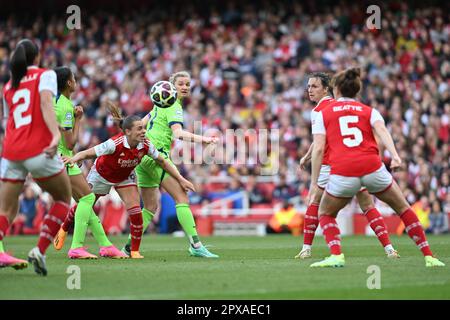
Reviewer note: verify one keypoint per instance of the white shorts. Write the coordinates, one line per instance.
(101, 186)
(40, 167)
(324, 177)
(346, 187)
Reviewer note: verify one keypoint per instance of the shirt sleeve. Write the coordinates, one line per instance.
(174, 115)
(375, 116)
(317, 124)
(107, 147)
(48, 82)
(152, 152)
(67, 120)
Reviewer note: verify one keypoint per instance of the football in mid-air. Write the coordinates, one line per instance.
(163, 94)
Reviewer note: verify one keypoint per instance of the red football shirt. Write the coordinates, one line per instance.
(347, 124)
(27, 134)
(116, 159)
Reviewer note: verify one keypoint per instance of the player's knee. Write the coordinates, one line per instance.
(89, 199)
(366, 205)
(181, 198)
(152, 207)
(317, 196)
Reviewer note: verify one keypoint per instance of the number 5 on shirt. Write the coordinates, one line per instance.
(354, 131)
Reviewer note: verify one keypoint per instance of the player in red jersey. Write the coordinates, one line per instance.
(30, 146)
(319, 92)
(345, 126)
(116, 160)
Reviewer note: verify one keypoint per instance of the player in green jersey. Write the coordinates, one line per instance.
(68, 118)
(164, 124)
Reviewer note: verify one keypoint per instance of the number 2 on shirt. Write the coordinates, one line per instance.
(19, 119)
(354, 131)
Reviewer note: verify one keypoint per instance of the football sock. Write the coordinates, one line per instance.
(186, 219)
(331, 233)
(68, 222)
(4, 224)
(310, 224)
(415, 231)
(378, 226)
(147, 217)
(135, 215)
(82, 215)
(52, 223)
(97, 230)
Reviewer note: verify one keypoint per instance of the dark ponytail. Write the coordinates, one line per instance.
(22, 57)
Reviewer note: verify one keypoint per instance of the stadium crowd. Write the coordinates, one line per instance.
(249, 66)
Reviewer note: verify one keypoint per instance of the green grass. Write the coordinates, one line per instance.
(248, 268)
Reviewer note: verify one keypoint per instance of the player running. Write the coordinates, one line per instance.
(345, 126)
(30, 146)
(116, 159)
(69, 118)
(163, 124)
(319, 92)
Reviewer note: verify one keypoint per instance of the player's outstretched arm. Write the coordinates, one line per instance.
(388, 142)
(185, 184)
(181, 134)
(80, 156)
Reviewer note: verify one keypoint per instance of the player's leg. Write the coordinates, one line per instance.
(9, 202)
(384, 187)
(395, 199)
(130, 196)
(312, 214)
(339, 191)
(150, 197)
(376, 222)
(186, 218)
(149, 176)
(99, 187)
(59, 188)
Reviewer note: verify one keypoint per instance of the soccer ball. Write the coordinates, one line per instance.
(163, 94)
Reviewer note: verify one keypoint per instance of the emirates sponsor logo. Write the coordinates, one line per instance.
(128, 163)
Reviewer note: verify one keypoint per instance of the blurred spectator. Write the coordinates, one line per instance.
(422, 209)
(255, 194)
(286, 220)
(283, 190)
(28, 206)
(438, 219)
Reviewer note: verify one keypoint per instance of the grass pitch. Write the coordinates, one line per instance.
(248, 268)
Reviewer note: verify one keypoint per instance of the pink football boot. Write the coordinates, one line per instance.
(9, 261)
(80, 253)
(112, 252)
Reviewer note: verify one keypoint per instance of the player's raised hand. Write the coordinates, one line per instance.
(186, 185)
(396, 163)
(79, 111)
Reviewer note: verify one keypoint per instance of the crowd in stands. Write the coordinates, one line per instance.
(249, 65)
